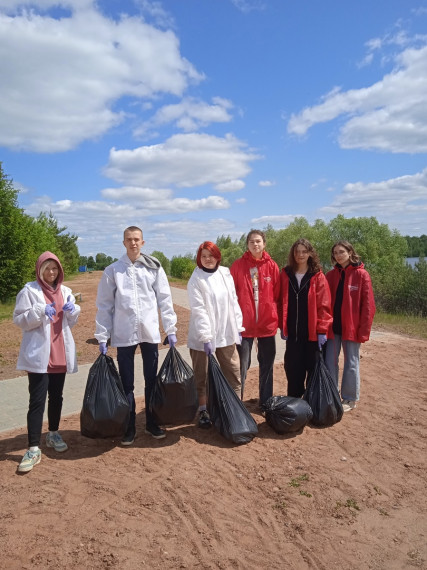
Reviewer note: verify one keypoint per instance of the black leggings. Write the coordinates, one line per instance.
(39, 386)
(300, 359)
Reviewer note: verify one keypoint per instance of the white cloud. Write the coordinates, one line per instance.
(277, 221)
(246, 6)
(266, 183)
(183, 160)
(188, 115)
(230, 186)
(400, 202)
(390, 115)
(89, 62)
(240, 201)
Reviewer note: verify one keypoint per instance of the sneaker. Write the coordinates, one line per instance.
(155, 431)
(348, 405)
(129, 436)
(204, 420)
(55, 440)
(30, 459)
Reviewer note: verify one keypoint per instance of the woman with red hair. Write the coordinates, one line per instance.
(215, 323)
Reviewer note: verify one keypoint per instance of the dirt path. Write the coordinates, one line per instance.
(348, 497)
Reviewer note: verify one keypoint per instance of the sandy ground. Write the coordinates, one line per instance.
(351, 496)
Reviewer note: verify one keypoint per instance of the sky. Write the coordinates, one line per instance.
(194, 119)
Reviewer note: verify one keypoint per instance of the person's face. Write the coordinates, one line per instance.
(133, 242)
(50, 274)
(207, 259)
(301, 255)
(256, 245)
(341, 255)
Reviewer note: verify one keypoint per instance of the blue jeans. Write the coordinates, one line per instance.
(126, 362)
(266, 355)
(350, 383)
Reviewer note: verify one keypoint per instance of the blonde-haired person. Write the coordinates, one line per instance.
(215, 323)
(305, 313)
(45, 311)
(353, 307)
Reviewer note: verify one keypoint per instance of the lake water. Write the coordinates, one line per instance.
(412, 260)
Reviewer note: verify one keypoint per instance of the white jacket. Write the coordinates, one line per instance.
(29, 315)
(129, 296)
(215, 312)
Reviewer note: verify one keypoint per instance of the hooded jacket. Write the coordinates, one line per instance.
(129, 296)
(269, 292)
(318, 305)
(212, 297)
(358, 303)
(29, 315)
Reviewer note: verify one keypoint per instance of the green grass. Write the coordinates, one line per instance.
(401, 324)
(6, 310)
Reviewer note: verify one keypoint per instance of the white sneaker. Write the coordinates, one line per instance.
(30, 459)
(55, 440)
(348, 405)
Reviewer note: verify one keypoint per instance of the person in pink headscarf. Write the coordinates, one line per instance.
(45, 311)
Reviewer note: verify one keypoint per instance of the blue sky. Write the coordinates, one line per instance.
(197, 118)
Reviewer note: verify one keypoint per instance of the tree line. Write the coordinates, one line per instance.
(398, 287)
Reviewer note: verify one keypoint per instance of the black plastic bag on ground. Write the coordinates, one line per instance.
(286, 414)
(323, 396)
(105, 410)
(227, 412)
(174, 397)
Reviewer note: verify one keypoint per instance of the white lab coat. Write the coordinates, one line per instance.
(215, 316)
(129, 296)
(29, 315)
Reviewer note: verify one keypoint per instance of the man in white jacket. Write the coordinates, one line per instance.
(131, 292)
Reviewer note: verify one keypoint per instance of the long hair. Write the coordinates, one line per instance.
(354, 257)
(214, 250)
(313, 261)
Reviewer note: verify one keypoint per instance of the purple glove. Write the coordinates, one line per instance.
(69, 306)
(207, 347)
(172, 340)
(50, 311)
(282, 336)
(103, 347)
(321, 339)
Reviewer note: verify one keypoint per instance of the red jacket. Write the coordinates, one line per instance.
(319, 305)
(358, 304)
(268, 288)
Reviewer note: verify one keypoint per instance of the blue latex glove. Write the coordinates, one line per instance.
(172, 340)
(50, 311)
(321, 339)
(69, 306)
(207, 347)
(282, 336)
(240, 338)
(103, 347)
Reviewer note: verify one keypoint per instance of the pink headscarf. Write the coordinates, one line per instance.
(57, 361)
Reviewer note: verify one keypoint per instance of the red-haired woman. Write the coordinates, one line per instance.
(215, 323)
(305, 313)
(353, 311)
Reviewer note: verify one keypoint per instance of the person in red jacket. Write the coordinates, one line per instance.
(305, 313)
(256, 278)
(353, 311)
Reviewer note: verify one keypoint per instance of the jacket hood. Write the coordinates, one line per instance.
(44, 257)
(358, 265)
(251, 259)
(149, 261)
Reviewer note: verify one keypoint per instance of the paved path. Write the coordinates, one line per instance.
(14, 392)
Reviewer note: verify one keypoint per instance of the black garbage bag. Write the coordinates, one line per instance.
(174, 397)
(105, 410)
(227, 412)
(322, 395)
(286, 414)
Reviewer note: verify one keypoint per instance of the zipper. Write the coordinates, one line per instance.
(297, 298)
